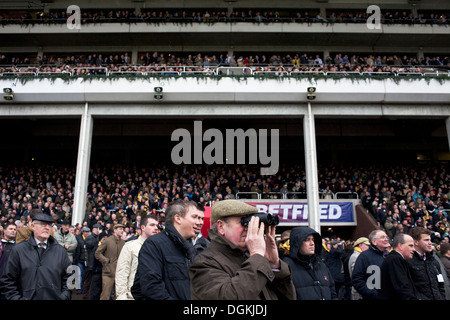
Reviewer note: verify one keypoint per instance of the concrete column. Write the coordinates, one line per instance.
(312, 183)
(83, 163)
(134, 55)
(447, 125)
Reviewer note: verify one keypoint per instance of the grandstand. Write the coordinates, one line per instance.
(115, 89)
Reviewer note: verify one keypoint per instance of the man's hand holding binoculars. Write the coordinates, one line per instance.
(261, 240)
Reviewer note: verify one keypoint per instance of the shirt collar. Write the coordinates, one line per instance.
(37, 241)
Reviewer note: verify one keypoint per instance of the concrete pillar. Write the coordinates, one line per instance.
(312, 181)
(134, 55)
(83, 163)
(447, 125)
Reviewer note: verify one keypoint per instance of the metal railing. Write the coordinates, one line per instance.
(285, 195)
(211, 71)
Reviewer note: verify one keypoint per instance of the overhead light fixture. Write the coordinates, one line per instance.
(311, 93)
(8, 94)
(158, 93)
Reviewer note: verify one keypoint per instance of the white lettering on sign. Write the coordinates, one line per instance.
(300, 211)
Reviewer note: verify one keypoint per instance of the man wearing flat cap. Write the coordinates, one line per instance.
(67, 239)
(360, 245)
(37, 268)
(108, 253)
(241, 262)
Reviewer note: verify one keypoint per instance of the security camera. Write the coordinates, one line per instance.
(311, 89)
(158, 89)
(158, 96)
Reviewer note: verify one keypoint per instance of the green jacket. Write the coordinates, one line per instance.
(69, 239)
(224, 272)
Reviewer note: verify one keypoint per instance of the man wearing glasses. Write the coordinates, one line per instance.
(37, 268)
(366, 277)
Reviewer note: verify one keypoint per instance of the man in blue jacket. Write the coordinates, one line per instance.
(366, 277)
(164, 259)
(37, 268)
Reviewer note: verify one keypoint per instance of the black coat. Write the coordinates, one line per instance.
(396, 280)
(163, 267)
(311, 276)
(80, 255)
(91, 247)
(425, 274)
(29, 276)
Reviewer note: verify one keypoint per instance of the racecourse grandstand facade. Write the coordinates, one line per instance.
(307, 82)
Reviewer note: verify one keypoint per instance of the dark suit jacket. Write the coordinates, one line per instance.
(396, 280)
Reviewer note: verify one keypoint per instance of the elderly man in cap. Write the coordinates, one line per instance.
(241, 262)
(108, 253)
(360, 245)
(67, 239)
(37, 269)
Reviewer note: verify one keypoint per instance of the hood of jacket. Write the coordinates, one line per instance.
(298, 235)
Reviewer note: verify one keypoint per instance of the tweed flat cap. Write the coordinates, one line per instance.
(228, 208)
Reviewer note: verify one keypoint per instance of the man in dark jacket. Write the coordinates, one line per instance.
(336, 267)
(37, 269)
(91, 246)
(425, 269)
(80, 256)
(164, 259)
(366, 274)
(311, 276)
(7, 243)
(240, 263)
(396, 280)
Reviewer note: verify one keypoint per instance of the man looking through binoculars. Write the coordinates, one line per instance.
(241, 262)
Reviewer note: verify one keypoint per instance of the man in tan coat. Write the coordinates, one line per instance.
(241, 262)
(108, 253)
(128, 258)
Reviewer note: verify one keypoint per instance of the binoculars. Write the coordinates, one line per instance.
(267, 218)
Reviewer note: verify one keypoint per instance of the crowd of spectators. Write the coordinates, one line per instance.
(214, 63)
(398, 197)
(222, 15)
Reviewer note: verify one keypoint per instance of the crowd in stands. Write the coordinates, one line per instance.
(398, 197)
(222, 15)
(177, 63)
(121, 197)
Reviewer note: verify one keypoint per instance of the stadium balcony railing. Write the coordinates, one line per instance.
(293, 195)
(396, 71)
(329, 19)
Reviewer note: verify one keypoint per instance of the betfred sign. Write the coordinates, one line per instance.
(295, 212)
